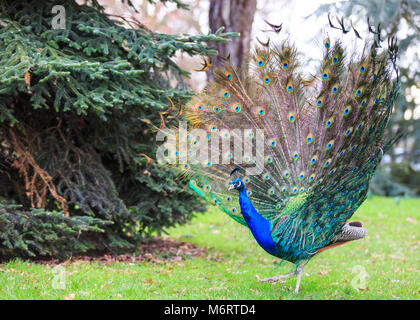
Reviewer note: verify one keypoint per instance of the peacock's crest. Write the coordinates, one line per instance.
(307, 147)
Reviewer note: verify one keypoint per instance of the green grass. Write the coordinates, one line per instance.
(388, 259)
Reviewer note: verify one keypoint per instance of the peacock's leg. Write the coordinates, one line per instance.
(299, 271)
(278, 278)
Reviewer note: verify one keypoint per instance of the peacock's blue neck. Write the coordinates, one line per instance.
(260, 227)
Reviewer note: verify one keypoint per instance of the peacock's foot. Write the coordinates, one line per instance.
(277, 278)
(298, 272)
(272, 279)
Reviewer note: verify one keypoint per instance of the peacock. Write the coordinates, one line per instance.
(290, 156)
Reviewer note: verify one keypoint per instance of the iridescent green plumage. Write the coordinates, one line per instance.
(323, 139)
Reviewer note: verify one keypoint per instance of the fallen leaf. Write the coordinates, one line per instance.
(69, 297)
(324, 272)
(105, 286)
(392, 256)
(411, 220)
(181, 292)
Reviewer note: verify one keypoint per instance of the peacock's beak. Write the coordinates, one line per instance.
(231, 186)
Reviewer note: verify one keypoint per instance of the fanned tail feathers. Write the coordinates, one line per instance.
(323, 138)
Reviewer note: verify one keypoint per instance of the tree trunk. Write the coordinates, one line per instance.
(235, 16)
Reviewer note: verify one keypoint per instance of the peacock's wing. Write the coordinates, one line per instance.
(310, 221)
(298, 141)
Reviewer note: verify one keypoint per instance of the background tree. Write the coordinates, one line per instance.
(78, 110)
(237, 16)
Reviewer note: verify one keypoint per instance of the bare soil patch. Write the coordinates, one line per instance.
(154, 250)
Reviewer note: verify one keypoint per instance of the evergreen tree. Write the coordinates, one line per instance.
(78, 109)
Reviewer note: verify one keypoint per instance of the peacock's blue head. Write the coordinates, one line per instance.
(236, 184)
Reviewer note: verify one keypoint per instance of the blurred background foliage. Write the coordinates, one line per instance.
(400, 170)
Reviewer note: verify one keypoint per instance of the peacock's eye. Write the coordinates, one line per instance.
(347, 110)
(320, 102)
(291, 117)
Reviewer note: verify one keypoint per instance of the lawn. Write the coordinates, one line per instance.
(384, 265)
